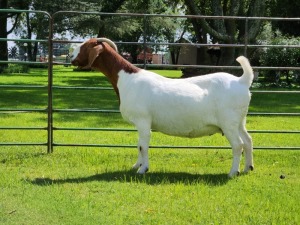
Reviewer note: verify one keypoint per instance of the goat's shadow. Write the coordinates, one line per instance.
(130, 176)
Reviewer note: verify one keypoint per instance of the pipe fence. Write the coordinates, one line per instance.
(49, 109)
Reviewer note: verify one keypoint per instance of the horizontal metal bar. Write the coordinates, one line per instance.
(215, 67)
(187, 44)
(210, 45)
(274, 68)
(276, 148)
(272, 114)
(23, 62)
(134, 130)
(23, 128)
(22, 144)
(118, 111)
(110, 88)
(22, 86)
(275, 92)
(274, 131)
(88, 110)
(23, 11)
(93, 129)
(170, 147)
(177, 16)
(134, 146)
(203, 66)
(23, 40)
(11, 110)
(87, 88)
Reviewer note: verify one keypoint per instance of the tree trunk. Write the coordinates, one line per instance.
(29, 36)
(3, 34)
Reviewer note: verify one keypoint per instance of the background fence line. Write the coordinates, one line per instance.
(50, 109)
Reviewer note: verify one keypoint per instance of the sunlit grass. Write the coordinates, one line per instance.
(90, 185)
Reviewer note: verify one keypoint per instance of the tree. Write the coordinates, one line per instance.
(14, 18)
(120, 28)
(4, 4)
(225, 31)
(285, 8)
(3, 34)
(152, 29)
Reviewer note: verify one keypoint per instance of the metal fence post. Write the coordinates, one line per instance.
(50, 89)
(144, 39)
(246, 37)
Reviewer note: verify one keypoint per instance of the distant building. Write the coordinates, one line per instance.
(157, 59)
(145, 55)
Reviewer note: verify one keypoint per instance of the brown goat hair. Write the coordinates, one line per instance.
(97, 54)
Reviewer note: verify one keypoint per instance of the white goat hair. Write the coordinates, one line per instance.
(191, 107)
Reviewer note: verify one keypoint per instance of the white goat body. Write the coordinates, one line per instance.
(190, 107)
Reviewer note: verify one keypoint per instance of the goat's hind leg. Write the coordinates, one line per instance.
(248, 148)
(143, 145)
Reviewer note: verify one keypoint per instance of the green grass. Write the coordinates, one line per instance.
(96, 185)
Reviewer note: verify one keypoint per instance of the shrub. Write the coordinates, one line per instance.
(17, 68)
(281, 57)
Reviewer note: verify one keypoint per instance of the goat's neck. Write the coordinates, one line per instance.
(110, 64)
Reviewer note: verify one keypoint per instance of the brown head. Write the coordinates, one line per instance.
(101, 54)
(85, 54)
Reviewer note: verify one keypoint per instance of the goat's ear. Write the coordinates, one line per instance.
(93, 54)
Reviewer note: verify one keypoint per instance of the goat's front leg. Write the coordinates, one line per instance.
(143, 145)
(139, 161)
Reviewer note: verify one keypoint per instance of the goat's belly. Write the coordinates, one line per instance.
(187, 131)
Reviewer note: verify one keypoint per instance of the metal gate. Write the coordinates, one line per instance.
(49, 110)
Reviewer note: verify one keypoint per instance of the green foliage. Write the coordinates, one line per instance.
(282, 57)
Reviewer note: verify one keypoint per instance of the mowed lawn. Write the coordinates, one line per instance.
(93, 185)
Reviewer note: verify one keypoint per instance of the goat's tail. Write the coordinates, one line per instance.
(248, 75)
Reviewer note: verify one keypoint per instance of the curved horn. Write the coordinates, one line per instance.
(113, 45)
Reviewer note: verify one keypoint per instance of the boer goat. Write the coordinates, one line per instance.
(191, 107)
